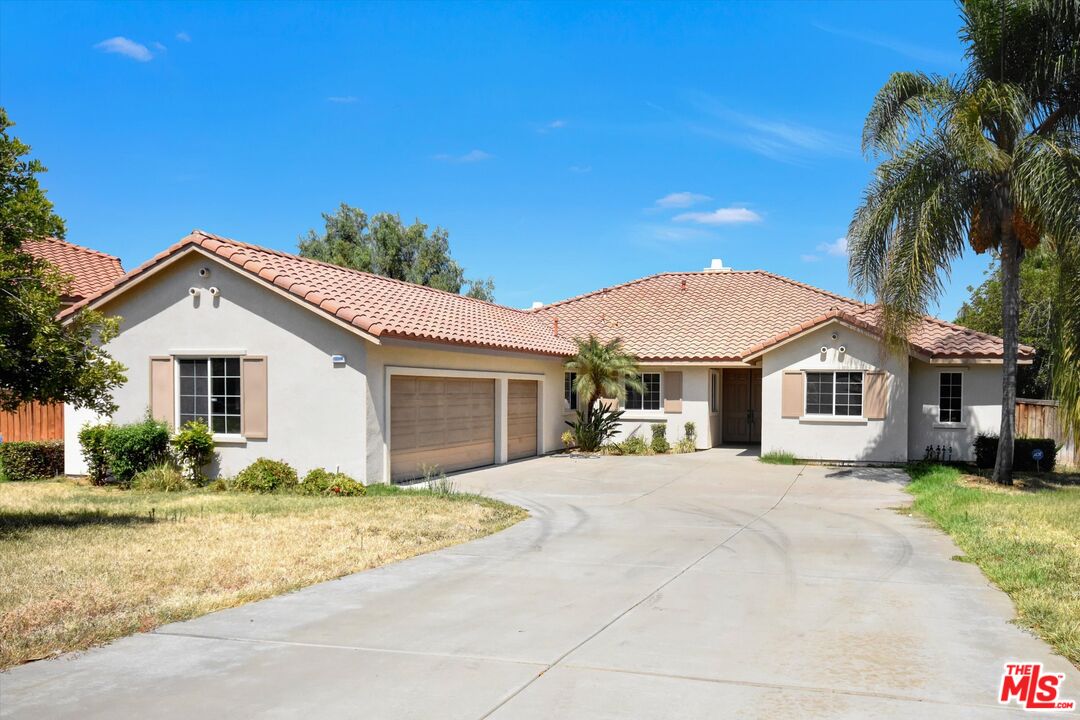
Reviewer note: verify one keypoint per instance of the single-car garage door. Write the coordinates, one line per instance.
(521, 420)
(448, 423)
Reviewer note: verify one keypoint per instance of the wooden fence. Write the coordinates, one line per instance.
(1039, 419)
(33, 421)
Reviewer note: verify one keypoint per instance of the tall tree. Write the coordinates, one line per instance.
(603, 370)
(383, 245)
(41, 359)
(1038, 290)
(989, 159)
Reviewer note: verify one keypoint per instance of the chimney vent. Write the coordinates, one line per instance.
(537, 305)
(717, 265)
(682, 285)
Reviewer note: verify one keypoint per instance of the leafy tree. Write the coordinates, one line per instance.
(383, 245)
(1038, 289)
(41, 359)
(989, 159)
(603, 370)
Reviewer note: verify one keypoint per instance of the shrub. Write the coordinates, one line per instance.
(986, 447)
(660, 444)
(686, 445)
(592, 432)
(266, 476)
(132, 448)
(690, 431)
(778, 457)
(194, 448)
(164, 477)
(567, 439)
(31, 460)
(92, 442)
(323, 482)
(633, 445)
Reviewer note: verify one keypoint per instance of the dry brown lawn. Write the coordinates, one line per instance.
(83, 565)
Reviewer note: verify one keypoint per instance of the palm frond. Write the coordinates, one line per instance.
(1046, 184)
(908, 102)
(1064, 358)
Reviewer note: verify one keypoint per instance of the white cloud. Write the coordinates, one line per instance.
(553, 125)
(581, 169)
(681, 200)
(473, 156)
(723, 216)
(836, 248)
(127, 48)
(343, 99)
(911, 50)
(158, 47)
(809, 258)
(183, 37)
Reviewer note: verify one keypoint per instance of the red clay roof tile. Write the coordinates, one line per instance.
(91, 270)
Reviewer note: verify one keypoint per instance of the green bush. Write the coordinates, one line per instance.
(266, 476)
(986, 447)
(592, 432)
(690, 431)
(194, 448)
(686, 445)
(164, 477)
(634, 445)
(92, 442)
(31, 460)
(323, 482)
(132, 448)
(660, 444)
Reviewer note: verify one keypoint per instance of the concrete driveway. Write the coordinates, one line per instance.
(702, 586)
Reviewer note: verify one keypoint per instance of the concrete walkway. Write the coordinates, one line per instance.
(703, 586)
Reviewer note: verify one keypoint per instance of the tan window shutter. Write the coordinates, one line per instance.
(673, 391)
(253, 397)
(791, 405)
(162, 396)
(876, 396)
(609, 403)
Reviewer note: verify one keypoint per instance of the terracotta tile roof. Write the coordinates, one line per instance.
(730, 315)
(91, 270)
(377, 305)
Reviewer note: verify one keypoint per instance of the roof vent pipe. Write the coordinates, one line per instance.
(537, 305)
(717, 265)
(556, 327)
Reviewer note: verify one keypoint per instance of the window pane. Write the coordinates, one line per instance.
(232, 425)
(651, 399)
(569, 393)
(819, 393)
(633, 399)
(848, 394)
(232, 406)
(950, 397)
(218, 424)
(232, 367)
(217, 366)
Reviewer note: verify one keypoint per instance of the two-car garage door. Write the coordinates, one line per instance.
(449, 423)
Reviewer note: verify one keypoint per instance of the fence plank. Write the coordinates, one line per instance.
(1039, 418)
(33, 421)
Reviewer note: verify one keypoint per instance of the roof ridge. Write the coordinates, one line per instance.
(92, 251)
(301, 258)
(806, 286)
(533, 311)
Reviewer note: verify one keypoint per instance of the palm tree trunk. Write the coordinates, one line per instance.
(1011, 255)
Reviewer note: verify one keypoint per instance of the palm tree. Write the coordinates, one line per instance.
(989, 159)
(603, 370)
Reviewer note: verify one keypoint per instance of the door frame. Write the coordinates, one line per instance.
(750, 371)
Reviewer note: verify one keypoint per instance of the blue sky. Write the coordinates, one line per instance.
(564, 146)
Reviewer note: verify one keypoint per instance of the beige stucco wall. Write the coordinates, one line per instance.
(695, 408)
(316, 411)
(835, 439)
(980, 405)
(400, 357)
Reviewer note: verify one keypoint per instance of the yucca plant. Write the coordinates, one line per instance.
(990, 160)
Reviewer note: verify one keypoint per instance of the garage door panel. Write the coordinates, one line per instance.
(521, 418)
(448, 423)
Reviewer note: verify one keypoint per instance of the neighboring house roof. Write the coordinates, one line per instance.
(710, 316)
(90, 270)
(379, 306)
(734, 315)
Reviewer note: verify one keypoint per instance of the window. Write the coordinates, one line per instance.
(714, 391)
(647, 400)
(950, 393)
(569, 390)
(834, 393)
(210, 391)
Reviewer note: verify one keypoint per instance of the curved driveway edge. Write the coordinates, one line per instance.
(686, 586)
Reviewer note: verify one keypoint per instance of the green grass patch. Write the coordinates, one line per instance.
(777, 457)
(1026, 539)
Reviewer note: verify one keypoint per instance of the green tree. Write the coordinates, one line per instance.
(1038, 290)
(988, 159)
(604, 370)
(384, 245)
(42, 359)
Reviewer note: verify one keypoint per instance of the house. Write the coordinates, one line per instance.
(325, 366)
(90, 271)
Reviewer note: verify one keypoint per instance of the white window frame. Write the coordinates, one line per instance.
(207, 357)
(714, 392)
(570, 402)
(831, 415)
(950, 423)
(660, 387)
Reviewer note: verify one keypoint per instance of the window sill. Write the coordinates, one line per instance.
(832, 420)
(949, 426)
(229, 439)
(644, 415)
